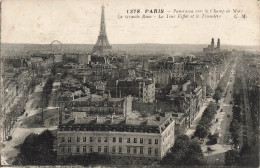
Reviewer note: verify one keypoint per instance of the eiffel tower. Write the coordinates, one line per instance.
(102, 44)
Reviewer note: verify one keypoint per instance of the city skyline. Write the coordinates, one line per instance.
(135, 83)
(78, 23)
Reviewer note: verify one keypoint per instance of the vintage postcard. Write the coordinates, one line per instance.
(130, 83)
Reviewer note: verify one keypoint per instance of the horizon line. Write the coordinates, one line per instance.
(133, 44)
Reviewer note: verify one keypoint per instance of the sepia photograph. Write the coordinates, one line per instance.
(129, 83)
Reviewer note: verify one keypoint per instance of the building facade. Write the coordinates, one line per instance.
(124, 140)
(94, 104)
(162, 77)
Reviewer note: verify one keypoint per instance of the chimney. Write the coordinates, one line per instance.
(97, 120)
(109, 95)
(76, 119)
(112, 118)
(158, 118)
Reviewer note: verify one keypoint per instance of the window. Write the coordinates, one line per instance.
(105, 149)
(105, 140)
(149, 151)
(128, 150)
(78, 139)
(120, 149)
(84, 149)
(105, 104)
(62, 149)
(135, 140)
(141, 150)
(150, 141)
(113, 149)
(69, 148)
(156, 151)
(114, 139)
(62, 139)
(91, 149)
(156, 141)
(69, 139)
(99, 139)
(77, 149)
(84, 139)
(119, 104)
(141, 140)
(90, 139)
(99, 148)
(128, 140)
(134, 150)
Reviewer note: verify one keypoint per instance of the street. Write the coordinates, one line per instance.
(221, 125)
(20, 131)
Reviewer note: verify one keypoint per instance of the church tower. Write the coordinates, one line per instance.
(212, 44)
(218, 44)
(102, 45)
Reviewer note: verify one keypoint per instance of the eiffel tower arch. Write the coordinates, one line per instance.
(102, 45)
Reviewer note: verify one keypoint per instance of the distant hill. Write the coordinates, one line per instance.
(15, 49)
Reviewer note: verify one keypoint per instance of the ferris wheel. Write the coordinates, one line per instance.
(56, 47)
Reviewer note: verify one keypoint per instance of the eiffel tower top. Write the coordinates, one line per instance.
(102, 45)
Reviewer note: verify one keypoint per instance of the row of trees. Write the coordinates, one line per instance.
(46, 92)
(185, 152)
(249, 153)
(222, 84)
(218, 94)
(235, 124)
(86, 160)
(232, 156)
(204, 125)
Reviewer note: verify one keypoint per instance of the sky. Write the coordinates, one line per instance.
(78, 21)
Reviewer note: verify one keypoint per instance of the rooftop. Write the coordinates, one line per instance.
(97, 98)
(151, 124)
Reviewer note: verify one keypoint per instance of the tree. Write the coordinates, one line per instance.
(213, 139)
(28, 149)
(217, 95)
(236, 113)
(231, 157)
(45, 148)
(234, 126)
(235, 137)
(201, 131)
(181, 143)
(212, 108)
(85, 160)
(245, 149)
(37, 150)
(206, 122)
(194, 155)
(184, 152)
